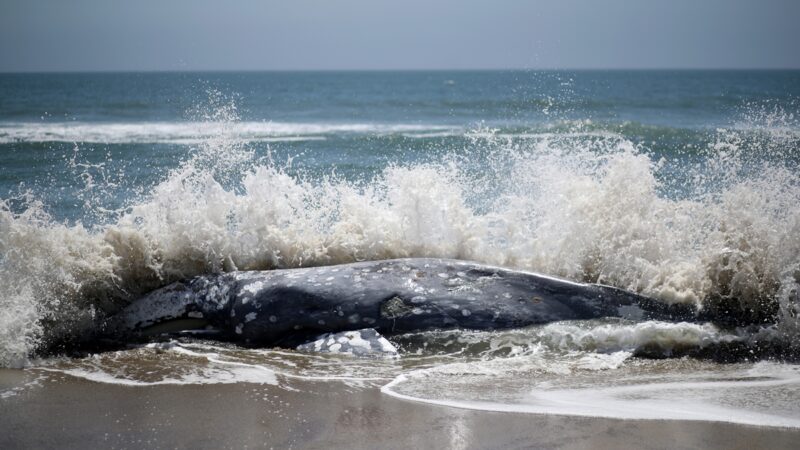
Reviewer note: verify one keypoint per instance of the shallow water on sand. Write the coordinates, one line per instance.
(553, 369)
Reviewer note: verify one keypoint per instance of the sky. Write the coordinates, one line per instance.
(174, 35)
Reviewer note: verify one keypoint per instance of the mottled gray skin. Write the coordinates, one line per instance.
(392, 296)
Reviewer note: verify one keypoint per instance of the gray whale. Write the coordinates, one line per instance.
(391, 296)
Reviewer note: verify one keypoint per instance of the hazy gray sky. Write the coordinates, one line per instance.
(44, 35)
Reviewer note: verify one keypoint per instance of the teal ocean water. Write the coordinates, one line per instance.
(140, 126)
(679, 185)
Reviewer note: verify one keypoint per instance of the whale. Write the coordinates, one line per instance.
(287, 307)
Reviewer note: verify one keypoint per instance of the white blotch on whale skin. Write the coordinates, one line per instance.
(444, 275)
(330, 278)
(250, 317)
(253, 288)
(273, 319)
(418, 299)
(217, 295)
(195, 315)
(507, 295)
(357, 340)
(466, 312)
(239, 328)
(353, 318)
(455, 283)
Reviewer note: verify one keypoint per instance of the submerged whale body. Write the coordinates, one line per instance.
(282, 307)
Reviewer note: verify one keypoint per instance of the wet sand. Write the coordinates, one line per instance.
(61, 411)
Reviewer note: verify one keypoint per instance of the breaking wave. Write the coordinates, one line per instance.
(601, 209)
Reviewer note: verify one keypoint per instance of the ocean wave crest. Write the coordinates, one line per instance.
(589, 210)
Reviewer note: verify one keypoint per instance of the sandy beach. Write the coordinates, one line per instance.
(60, 411)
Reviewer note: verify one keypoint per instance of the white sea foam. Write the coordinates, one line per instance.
(214, 375)
(610, 385)
(661, 336)
(174, 363)
(662, 401)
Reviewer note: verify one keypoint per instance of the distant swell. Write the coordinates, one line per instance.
(196, 132)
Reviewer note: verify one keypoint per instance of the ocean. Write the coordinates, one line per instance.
(682, 186)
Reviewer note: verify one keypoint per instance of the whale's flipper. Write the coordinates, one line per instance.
(362, 343)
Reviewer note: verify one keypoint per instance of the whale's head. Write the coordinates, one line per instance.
(180, 306)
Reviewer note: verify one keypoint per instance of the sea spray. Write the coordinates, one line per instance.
(579, 204)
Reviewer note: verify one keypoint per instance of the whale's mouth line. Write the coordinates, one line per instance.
(176, 326)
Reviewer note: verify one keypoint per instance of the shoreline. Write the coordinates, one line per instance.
(63, 411)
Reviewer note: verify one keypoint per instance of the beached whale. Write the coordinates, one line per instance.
(292, 306)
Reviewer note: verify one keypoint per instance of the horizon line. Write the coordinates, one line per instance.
(510, 69)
